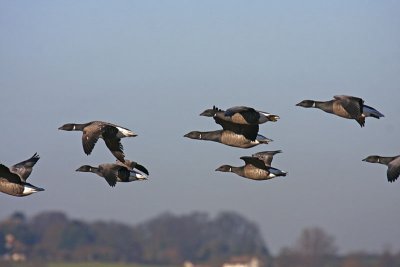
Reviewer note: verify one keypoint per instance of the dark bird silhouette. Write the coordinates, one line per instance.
(348, 107)
(229, 138)
(233, 134)
(13, 180)
(114, 172)
(254, 169)
(240, 115)
(393, 164)
(110, 133)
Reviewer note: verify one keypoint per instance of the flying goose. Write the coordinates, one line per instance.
(344, 106)
(241, 115)
(393, 164)
(229, 138)
(110, 133)
(254, 169)
(114, 172)
(13, 180)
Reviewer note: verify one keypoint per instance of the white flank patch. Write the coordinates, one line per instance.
(261, 138)
(137, 176)
(28, 190)
(265, 113)
(123, 132)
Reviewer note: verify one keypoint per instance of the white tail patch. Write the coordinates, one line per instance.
(137, 176)
(265, 113)
(123, 132)
(275, 172)
(262, 138)
(29, 190)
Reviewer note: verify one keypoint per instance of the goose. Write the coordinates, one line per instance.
(241, 115)
(393, 164)
(229, 138)
(344, 106)
(254, 169)
(110, 133)
(113, 173)
(13, 179)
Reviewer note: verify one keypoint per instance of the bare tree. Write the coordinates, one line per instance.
(315, 247)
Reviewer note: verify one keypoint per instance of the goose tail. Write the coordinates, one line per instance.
(371, 112)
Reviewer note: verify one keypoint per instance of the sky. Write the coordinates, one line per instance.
(154, 66)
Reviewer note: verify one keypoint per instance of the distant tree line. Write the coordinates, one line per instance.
(166, 239)
(170, 240)
(316, 248)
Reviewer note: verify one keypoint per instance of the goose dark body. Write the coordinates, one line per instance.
(344, 106)
(254, 169)
(110, 133)
(240, 115)
(248, 131)
(113, 173)
(227, 137)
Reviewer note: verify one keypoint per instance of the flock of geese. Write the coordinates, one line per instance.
(13, 180)
(240, 127)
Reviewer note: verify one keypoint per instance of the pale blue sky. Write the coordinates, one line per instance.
(153, 66)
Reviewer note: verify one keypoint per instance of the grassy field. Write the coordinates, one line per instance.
(92, 264)
(96, 265)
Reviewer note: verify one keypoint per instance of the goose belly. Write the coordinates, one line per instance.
(341, 112)
(236, 140)
(28, 190)
(256, 173)
(10, 188)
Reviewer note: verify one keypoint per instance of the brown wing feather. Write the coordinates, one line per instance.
(256, 162)
(249, 131)
(133, 165)
(9, 176)
(116, 148)
(91, 134)
(24, 168)
(110, 174)
(351, 105)
(393, 171)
